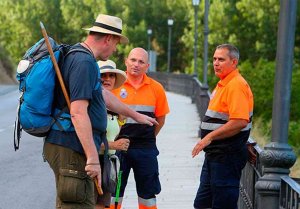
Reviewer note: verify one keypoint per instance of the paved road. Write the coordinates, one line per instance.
(26, 182)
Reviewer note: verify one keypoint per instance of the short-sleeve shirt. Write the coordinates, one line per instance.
(82, 79)
(149, 99)
(231, 99)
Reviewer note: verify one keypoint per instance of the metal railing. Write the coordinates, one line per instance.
(190, 86)
(250, 175)
(289, 193)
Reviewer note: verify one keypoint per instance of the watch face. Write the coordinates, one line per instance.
(123, 93)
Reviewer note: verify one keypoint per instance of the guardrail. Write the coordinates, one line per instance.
(289, 193)
(290, 189)
(250, 175)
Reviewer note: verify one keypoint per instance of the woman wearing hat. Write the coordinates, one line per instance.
(111, 78)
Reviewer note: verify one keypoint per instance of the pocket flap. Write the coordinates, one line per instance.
(73, 173)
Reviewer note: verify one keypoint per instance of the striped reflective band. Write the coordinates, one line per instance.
(140, 108)
(214, 126)
(147, 202)
(130, 121)
(250, 114)
(210, 126)
(219, 115)
(108, 27)
(248, 127)
(143, 108)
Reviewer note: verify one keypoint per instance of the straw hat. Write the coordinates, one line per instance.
(109, 25)
(109, 66)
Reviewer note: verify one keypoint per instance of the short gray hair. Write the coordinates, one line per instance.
(232, 50)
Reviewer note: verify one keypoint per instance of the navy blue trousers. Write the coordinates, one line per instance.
(144, 164)
(219, 182)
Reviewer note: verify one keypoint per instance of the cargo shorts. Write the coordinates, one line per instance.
(74, 188)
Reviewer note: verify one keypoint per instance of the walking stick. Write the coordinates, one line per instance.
(120, 173)
(119, 183)
(61, 82)
(60, 79)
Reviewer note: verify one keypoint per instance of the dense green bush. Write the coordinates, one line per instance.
(294, 135)
(260, 77)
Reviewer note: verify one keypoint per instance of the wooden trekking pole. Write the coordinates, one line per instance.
(62, 84)
(58, 73)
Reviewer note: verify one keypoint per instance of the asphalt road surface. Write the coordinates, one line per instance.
(26, 181)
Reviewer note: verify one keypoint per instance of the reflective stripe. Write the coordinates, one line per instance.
(147, 203)
(250, 114)
(248, 127)
(219, 115)
(214, 126)
(143, 108)
(210, 126)
(130, 121)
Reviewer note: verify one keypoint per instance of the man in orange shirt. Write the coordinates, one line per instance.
(225, 130)
(145, 96)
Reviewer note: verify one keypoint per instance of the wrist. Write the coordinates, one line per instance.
(93, 164)
(209, 138)
(93, 160)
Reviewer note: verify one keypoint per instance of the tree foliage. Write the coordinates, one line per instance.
(250, 25)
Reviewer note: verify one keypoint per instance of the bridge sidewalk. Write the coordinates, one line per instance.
(179, 172)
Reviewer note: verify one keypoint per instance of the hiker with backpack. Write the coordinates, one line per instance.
(111, 78)
(73, 155)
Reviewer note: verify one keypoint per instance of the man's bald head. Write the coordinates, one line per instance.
(137, 63)
(141, 52)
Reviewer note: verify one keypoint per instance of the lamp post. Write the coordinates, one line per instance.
(206, 32)
(278, 156)
(170, 23)
(149, 32)
(196, 6)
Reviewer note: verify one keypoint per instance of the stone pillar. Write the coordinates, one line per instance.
(278, 157)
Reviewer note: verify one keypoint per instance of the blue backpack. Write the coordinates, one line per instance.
(37, 77)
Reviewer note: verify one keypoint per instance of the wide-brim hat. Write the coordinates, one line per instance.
(109, 66)
(109, 25)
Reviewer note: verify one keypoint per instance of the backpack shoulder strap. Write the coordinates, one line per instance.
(78, 50)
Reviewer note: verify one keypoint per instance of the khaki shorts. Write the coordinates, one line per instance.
(75, 189)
